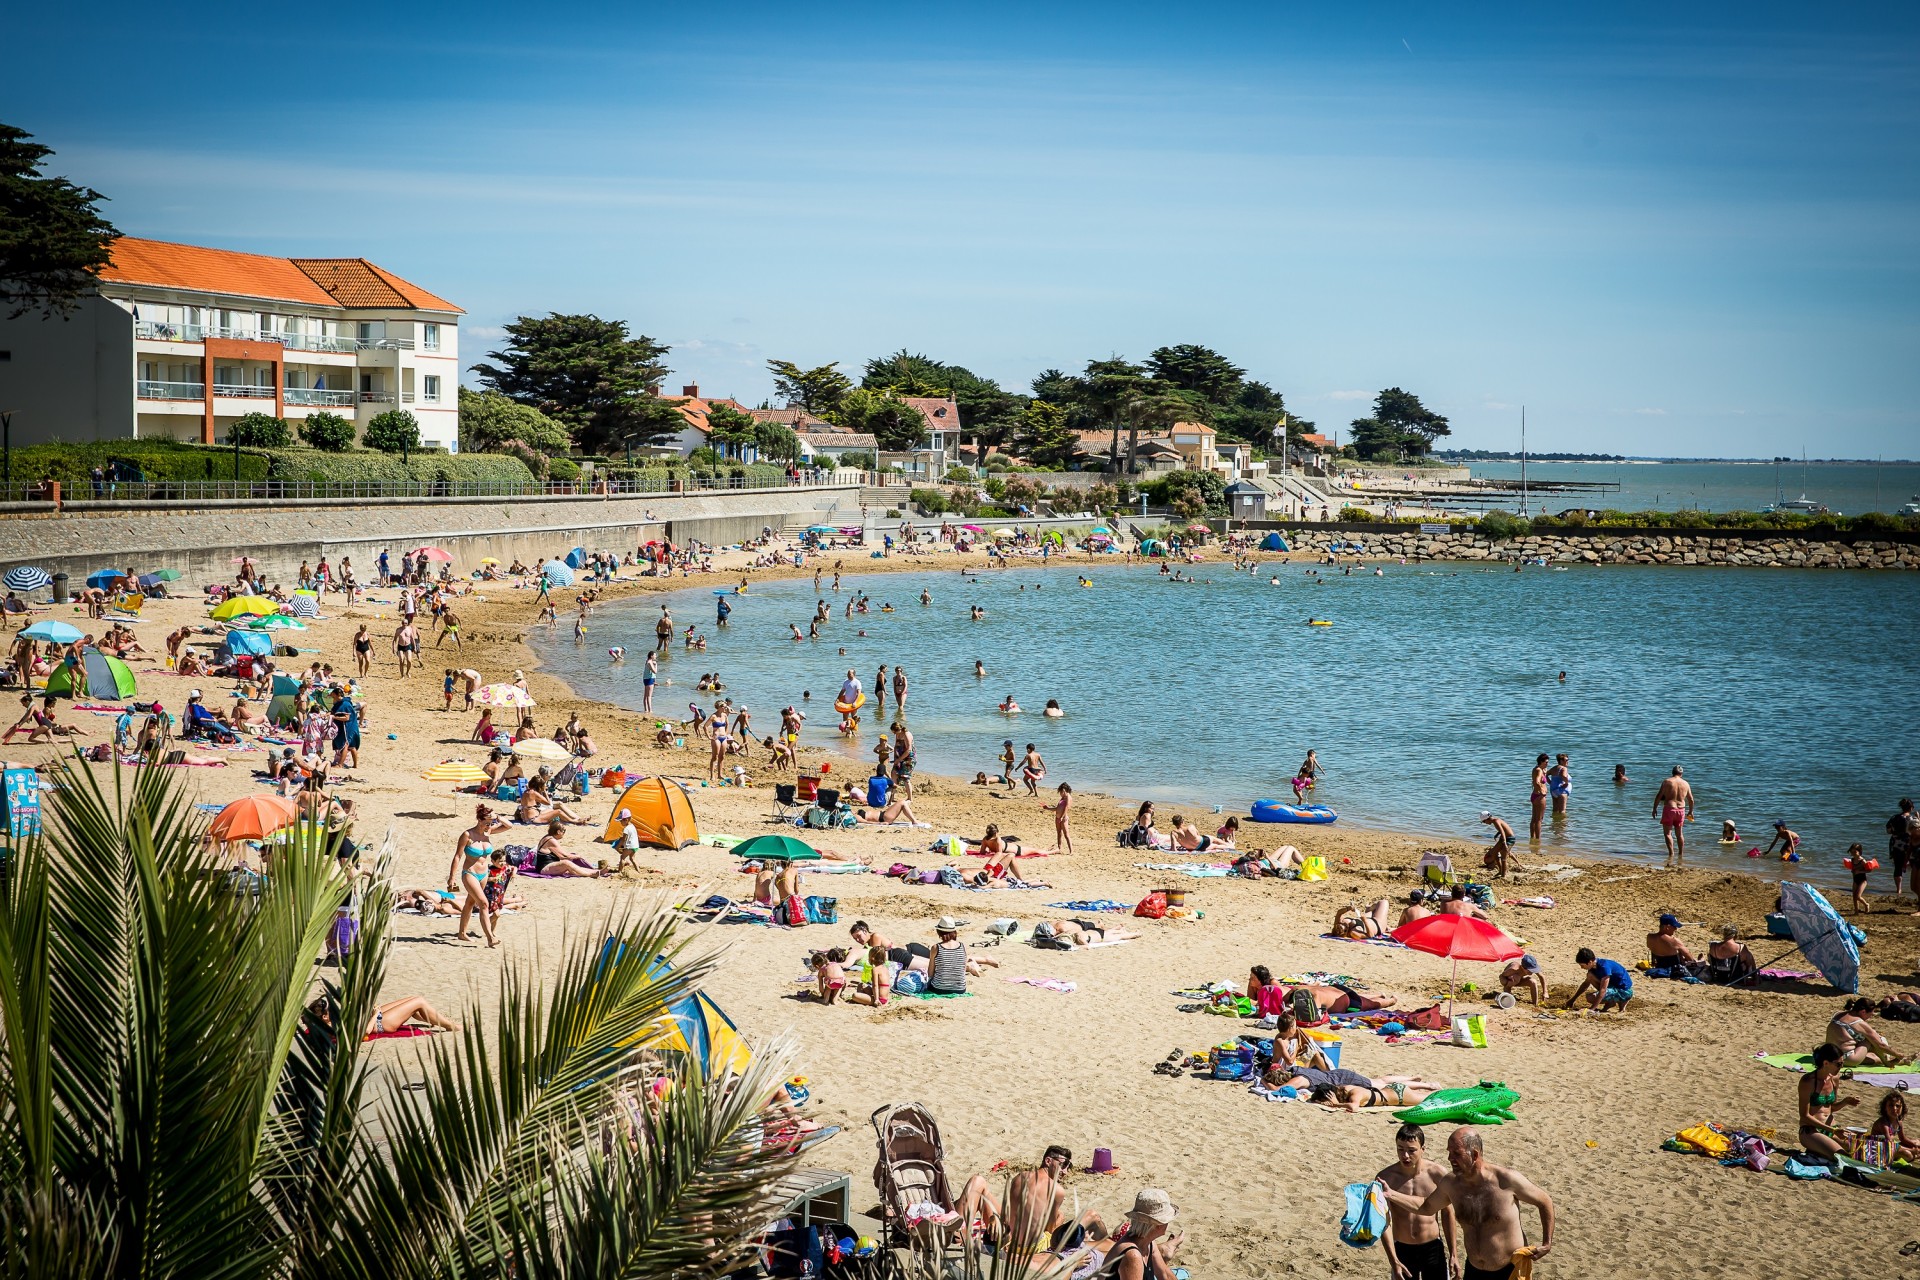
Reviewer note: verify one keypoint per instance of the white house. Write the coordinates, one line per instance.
(182, 340)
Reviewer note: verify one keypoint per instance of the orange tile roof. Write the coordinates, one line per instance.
(186, 266)
(355, 282)
(323, 282)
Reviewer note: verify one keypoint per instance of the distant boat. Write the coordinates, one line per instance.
(1912, 508)
(1802, 504)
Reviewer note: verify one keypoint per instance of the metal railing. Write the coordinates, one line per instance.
(242, 391)
(166, 331)
(314, 342)
(146, 390)
(318, 395)
(386, 344)
(362, 490)
(376, 397)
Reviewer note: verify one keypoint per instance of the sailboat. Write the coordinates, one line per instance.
(1802, 504)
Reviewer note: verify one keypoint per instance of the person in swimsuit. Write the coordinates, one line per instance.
(1081, 933)
(1892, 1125)
(1499, 857)
(1333, 998)
(1673, 805)
(1146, 1248)
(1788, 842)
(467, 874)
(1857, 1042)
(1537, 796)
(1560, 784)
(1351, 922)
(1351, 1091)
(717, 730)
(1418, 1246)
(1819, 1097)
(1487, 1199)
(363, 649)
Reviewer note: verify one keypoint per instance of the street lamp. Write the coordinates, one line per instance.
(6, 445)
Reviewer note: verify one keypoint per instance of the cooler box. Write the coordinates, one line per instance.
(1328, 1042)
(807, 787)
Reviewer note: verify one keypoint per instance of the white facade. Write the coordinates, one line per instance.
(203, 339)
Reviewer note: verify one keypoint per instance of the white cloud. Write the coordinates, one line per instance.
(1651, 413)
(485, 331)
(1349, 395)
(1495, 404)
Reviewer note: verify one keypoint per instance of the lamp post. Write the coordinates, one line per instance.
(6, 448)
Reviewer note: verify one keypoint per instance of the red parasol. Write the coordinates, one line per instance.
(1457, 938)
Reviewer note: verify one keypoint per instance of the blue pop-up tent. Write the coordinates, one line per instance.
(1274, 542)
(259, 644)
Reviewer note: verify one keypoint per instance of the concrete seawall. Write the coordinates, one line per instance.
(1767, 548)
(203, 542)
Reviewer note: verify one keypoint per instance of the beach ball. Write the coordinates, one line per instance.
(865, 1247)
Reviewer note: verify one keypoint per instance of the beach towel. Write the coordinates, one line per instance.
(1366, 1215)
(1096, 904)
(1803, 1062)
(1198, 870)
(1049, 984)
(939, 995)
(1784, 975)
(398, 1033)
(1372, 942)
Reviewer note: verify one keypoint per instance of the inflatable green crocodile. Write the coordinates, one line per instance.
(1488, 1102)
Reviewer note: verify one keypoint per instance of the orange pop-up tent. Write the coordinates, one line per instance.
(662, 812)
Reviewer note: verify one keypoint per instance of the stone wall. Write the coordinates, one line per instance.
(1768, 548)
(203, 542)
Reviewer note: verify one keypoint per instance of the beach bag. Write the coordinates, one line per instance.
(798, 1253)
(1153, 906)
(1706, 1139)
(1305, 1011)
(901, 869)
(1470, 1030)
(1233, 1064)
(1427, 1019)
(1313, 868)
(791, 912)
(822, 910)
(1366, 1215)
(910, 982)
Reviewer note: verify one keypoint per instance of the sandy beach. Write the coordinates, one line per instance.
(1015, 1066)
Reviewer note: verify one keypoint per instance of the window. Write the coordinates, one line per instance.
(430, 339)
(433, 386)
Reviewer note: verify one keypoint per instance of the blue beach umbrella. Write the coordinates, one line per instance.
(556, 573)
(52, 632)
(106, 577)
(1821, 935)
(26, 577)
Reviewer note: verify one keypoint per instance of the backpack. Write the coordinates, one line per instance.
(1153, 906)
(1366, 1215)
(1428, 1019)
(1305, 1011)
(822, 910)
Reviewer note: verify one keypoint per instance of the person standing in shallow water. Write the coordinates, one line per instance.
(1537, 796)
(1673, 805)
(900, 690)
(1560, 784)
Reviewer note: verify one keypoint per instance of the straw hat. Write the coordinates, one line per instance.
(1151, 1207)
(946, 924)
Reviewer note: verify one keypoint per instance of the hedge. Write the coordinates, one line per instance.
(72, 464)
(366, 466)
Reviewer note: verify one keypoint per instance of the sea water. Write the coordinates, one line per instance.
(1784, 693)
(1850, 488)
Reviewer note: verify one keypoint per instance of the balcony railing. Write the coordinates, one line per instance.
(241, 391)
(165, 331)
(376, 397)
(170, 390)
(318, 395)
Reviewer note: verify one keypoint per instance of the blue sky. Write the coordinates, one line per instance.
(1664, 229)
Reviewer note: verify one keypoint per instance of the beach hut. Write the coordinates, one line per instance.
(1274, 542)
(662, 814)
(108, 678)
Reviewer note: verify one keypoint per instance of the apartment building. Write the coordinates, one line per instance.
(182, 340)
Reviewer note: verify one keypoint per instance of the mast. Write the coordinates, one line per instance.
(1523, 459)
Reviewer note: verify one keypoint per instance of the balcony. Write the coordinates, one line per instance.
(240, 391)
(314, 342)
(315, 395)
(385, 344)
(170, 390)
(376, 397)
(164, 332)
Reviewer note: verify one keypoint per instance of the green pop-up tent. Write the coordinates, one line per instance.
(108, 679)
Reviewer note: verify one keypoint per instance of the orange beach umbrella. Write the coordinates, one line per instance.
(253, 818)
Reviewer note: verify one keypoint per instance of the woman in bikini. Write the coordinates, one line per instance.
(1819, 1094)
(390, 1017)
(1347, 1094)
(537, 806)
(467, 874)
(550, 859)
(717, 729)
(1537, 796)
(1351, 922)
(1856, 1042)
(1333, 999)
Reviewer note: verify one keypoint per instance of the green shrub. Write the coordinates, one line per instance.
(858, 461)
(1356, 515)
(259, 431)
(157, 460)
(531, 458)
(429, 466)
(327, 431)
(393, 431)
(959, 475)
(562, 469)
(931, 501)
(1500, 525)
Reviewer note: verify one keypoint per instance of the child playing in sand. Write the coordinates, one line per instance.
(1892, 1124)
(1062, 834)
(1007, 757)
(831, 976)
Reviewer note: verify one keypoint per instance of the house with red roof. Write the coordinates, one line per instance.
(181, 340)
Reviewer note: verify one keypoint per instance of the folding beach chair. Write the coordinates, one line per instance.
(785, 802)
(1437, 870)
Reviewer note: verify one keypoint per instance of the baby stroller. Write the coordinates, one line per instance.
(911, 1169)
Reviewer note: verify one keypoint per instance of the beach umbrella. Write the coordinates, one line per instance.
(165, 575)
(278, 622)
(53, 632)
(1456, 938)
(106, 577)
(783, 847)
(541, 751)
(1102, 529)
(488, 560)
(504, 695)
(242, 606)
(303, 604)
(1821, 935)
(433, 553)
(455, 771)
(556, 573)
(26, 577)
(973, 528)
(253, 818)
(576, 558)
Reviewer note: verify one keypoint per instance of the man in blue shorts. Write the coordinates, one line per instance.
(1608, 980)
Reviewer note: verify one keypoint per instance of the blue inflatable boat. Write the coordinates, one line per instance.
(1276, 811)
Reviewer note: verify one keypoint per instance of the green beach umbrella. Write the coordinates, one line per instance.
(782, 847)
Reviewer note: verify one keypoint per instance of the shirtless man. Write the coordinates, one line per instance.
(1664, 945)
(1537, 796)
(1487, 1199)
(1499, 857)
(406, 638)
(1673, 805)
(1419, 1246)
(1416, 909)
(1037, 1208)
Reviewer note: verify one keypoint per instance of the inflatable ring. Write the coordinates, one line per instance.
(1279, 811)
(848, 708)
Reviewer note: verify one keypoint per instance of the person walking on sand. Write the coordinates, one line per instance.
(1486, 1199)
(1537, 797)
(1419, 1246)
(1032, 769)
(1062, 832)
(406, 643)
(467, 875)
(1673, 805)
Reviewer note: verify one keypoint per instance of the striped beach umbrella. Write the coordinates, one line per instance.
(303, 604)
(504, 695)
(458, 772)
(26, 577)
(556, 573)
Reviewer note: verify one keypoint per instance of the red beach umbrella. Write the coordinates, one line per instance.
(1457, 938)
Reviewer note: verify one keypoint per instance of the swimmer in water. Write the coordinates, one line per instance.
(1009, 707)
(926, 596)
(1053, 711)
(1729, 832)
(795, 628)
(978, 613)
(1619, 775)
(979, 669)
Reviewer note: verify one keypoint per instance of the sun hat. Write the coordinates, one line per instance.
(1152, 1205)
(946, 924)
(1486, 815)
